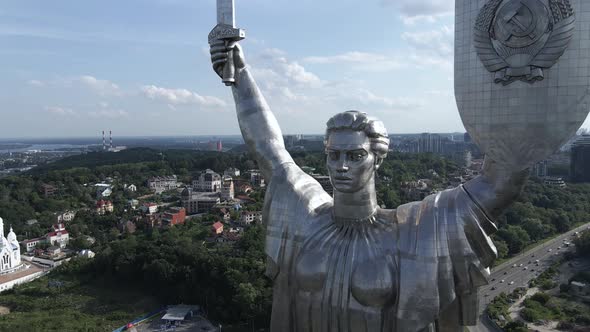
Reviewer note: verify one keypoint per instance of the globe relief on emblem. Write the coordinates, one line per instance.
(517, 39)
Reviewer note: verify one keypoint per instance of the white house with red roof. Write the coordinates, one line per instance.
(103, 207)
(217, 228)
(58, 236)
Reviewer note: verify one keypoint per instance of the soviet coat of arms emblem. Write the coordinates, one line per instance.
(517, 39)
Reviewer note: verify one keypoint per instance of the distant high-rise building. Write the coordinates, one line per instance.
(580, 160)
(540, 169)
(467, 138)
(430, 143)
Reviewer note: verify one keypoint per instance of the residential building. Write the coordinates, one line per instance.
(48, 190)
(198, 202)
(250, 217)
(31, 244)
(554, 181)
(149, 208)
(540, 169)
(67, 216)
(217, 228)
(227, 188)
(59, 236)
(256, 178)
(233, 172)
(9, 251)
(104, 207)
(103, 190)
(174, 216)
(126, 226)
(132, 188)
(159, 184)
(580, 160)
(208, 181)
(133, 204)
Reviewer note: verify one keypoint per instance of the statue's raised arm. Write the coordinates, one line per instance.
(258, 124)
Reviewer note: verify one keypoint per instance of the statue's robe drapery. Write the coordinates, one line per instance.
(433, 254)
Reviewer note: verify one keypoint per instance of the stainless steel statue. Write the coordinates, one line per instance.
(342, 263)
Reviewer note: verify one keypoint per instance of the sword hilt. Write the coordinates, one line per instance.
(229, 70)
(228, 34)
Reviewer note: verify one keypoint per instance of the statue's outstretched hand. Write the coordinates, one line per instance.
(220, 53)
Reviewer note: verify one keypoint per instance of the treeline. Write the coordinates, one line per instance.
(542, 211)
(177, 266)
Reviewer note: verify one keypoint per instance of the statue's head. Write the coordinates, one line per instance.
(355, 146)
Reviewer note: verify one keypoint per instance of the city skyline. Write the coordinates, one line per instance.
(141, 68)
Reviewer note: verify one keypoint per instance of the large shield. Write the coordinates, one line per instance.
(522, 74)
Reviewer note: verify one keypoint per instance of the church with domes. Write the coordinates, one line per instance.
(9, 251)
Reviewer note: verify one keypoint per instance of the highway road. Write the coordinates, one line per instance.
(506, 277)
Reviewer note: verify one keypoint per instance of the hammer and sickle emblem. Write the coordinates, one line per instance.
(522, 19)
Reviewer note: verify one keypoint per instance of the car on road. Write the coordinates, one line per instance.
(550, 250)
(505, 272)
(521, 265)
(493, 288)
(526, 268)
(493, 279)
(512, 283)
(514, 265)
(502, 281)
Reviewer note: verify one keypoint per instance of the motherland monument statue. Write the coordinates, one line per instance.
(342, 263)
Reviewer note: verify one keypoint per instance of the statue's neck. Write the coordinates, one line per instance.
(358, 205)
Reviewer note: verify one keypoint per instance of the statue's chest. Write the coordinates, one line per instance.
(348, 265)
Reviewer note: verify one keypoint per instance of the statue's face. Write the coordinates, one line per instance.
(351, 163)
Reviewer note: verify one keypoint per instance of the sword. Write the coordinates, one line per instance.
(226, 30)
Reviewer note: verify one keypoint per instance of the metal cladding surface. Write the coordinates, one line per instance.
(342, 263)
(522, 75)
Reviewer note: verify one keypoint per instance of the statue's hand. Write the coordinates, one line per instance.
(219, 55)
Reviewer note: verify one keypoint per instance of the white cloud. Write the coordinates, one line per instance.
(180, 97)
(36, 83)
(413, 11)
(60, 111)
(278, 69)
(372, 62)
(102, 87)
(362, 98)
(439, 41)
(109, 114)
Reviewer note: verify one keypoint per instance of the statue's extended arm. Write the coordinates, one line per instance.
(258, 124)
(497, 188)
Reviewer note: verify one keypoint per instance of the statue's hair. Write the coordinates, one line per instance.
(359, 121)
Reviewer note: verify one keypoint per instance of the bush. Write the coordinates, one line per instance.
(541, 298)
(531, 315)
(516, 327)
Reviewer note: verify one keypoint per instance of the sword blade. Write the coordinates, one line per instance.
(226, 12)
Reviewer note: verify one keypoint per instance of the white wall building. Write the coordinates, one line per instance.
(9, 251)
(159, 184)
(209, 182)
(66, 216)
(227, 188)
(233, 172)
(58, 237)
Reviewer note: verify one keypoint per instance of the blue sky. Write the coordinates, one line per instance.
(141, 67)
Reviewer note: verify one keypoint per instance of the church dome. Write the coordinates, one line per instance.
(186, 192)
(11, 236)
